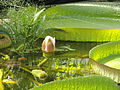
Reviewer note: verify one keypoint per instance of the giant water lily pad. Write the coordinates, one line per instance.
(83, 22)
(80, 83)
(108, 54)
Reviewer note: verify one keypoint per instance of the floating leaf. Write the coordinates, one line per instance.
(83, 22)
(80, 83)
(108, 54)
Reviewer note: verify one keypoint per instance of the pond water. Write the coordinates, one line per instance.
(66, 63)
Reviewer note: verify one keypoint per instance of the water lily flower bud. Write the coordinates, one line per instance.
(48, 44)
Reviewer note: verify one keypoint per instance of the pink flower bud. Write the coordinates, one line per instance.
(48, 45)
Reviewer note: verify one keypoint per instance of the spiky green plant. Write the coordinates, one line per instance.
(24, 27)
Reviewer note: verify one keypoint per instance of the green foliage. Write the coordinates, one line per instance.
(39, 73)
(108, 54)
(78, 22)
(1, 86)
(1, 75)
(80, 83)
(23, 27)
(13, 3)
(83, 22)
(96, 22)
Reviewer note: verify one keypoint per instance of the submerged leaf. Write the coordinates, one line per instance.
(39, 73)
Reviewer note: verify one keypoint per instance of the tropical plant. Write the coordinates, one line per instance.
(81, 83)
(86, 22)
(23, 28)
(65, 21)
(108, 54)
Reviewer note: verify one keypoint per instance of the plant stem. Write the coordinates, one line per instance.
(42, 62)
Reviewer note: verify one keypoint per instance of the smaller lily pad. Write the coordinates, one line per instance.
(115, 63)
